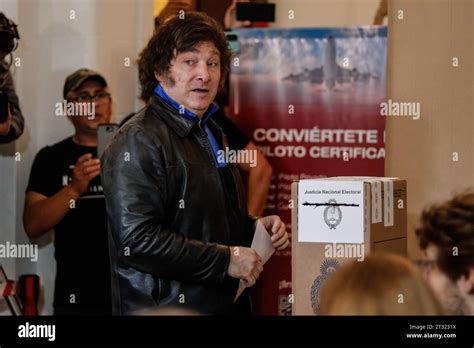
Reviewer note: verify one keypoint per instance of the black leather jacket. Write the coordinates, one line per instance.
(168, 227)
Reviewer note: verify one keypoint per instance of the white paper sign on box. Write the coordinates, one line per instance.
(331, 211)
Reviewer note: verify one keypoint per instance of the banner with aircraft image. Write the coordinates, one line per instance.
(310, 100)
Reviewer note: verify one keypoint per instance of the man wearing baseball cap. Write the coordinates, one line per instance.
(64, 193)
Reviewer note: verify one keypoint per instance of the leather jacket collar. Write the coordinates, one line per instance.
(181, 125)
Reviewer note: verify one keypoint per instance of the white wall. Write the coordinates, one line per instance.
(53, 44)
(421, 49)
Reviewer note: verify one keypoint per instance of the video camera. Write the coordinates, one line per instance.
(8, 35)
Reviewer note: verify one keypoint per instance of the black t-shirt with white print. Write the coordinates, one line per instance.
(82, 283)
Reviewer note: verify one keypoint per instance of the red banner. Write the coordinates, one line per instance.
(310, 100)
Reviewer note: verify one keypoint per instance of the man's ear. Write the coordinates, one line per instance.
(159, 78)
(466, 283)
(470, 280)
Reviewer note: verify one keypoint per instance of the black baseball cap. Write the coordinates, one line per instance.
(77, 78)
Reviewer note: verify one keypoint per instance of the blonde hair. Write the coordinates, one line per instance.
(382, 284)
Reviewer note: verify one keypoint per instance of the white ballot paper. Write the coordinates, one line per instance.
(262, 244)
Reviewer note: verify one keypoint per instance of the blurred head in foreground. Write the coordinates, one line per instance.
(382, 284)
(169, 311)
(446, 237)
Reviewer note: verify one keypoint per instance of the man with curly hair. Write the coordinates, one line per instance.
(179, 223)
(446, 236)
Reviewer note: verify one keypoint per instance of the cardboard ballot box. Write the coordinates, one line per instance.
(338, 219)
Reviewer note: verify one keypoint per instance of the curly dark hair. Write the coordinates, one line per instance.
(177, 35)
(450, 225)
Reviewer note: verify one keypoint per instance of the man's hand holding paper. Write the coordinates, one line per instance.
(270, 234)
